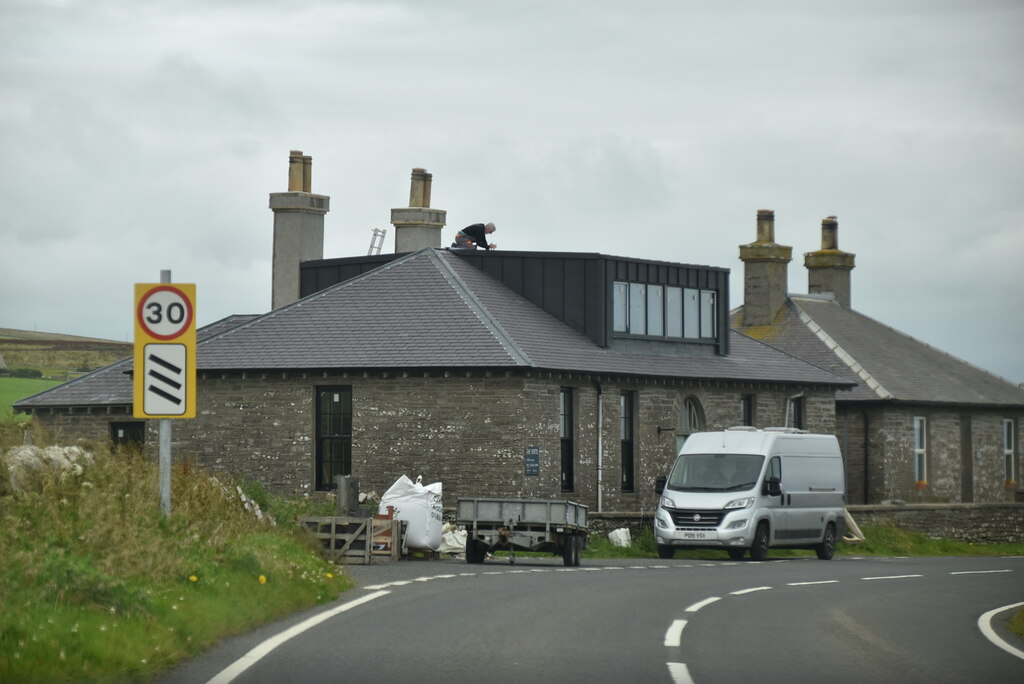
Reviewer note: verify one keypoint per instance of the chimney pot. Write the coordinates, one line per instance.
(765, 225)
(419, 189)
(830, 233)
(295, 173)
(307, 173)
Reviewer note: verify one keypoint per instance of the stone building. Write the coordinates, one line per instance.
(497, 373)
(920, 425)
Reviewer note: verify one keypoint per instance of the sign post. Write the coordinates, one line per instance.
(165, 362)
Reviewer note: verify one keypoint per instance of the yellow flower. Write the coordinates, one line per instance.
(193, 578)
(330, 575)
(263, 579)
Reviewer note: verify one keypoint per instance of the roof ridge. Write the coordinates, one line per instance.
(476, 306)
(873, 384)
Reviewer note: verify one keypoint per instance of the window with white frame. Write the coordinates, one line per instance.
(1009, 452)
(664, 311)
(920, 449)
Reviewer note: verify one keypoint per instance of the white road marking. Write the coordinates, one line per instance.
(985, 625)
(749, 591)
(674, 633)
(249, 659)
(700, 604)
(804, 584)
(868, 579)
(679, 673)
(978, 572)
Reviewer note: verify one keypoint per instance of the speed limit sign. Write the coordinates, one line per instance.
(165, 312)
(165, 351)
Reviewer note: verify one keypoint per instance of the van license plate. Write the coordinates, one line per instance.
(694, 535)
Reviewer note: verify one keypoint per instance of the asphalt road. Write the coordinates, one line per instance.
(847, 620)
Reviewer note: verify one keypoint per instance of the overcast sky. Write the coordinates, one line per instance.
(140, 136)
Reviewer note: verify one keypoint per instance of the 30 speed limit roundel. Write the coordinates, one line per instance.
(165, 312)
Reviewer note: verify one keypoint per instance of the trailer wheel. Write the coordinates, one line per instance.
(570, 551)
(736, 554)
(665, 551)
(579, 550)
(474, 551)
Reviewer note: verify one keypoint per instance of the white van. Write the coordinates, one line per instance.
(745, 488)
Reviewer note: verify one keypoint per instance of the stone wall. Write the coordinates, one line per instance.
(978, 523)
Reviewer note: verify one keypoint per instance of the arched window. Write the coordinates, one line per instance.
(691, 419)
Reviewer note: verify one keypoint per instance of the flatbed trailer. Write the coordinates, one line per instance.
(546, 525)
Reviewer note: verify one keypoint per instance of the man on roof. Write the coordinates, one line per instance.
(474, 236)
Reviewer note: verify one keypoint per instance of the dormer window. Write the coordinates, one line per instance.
(666, 312)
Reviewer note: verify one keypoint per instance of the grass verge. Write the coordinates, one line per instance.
(97, 586)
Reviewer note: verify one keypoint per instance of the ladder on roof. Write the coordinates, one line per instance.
(377, 241)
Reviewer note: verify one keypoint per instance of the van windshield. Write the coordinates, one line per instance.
(715, 472)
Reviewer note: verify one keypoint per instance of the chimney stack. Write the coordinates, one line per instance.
(298, 228)
(828, 269)
(418, 226)
(765, 277)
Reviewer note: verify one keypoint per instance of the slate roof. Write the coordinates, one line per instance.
(431, 309)
(110, 385)
(886, 364)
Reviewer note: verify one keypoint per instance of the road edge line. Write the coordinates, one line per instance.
(267, 645)
(985, 625)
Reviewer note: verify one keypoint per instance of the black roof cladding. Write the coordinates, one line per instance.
(574, 287)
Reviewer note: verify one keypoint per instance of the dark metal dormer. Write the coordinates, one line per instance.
(622, 303)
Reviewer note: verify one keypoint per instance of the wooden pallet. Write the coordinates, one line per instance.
(358, 541)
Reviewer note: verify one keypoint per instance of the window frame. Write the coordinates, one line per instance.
(920, 442)
(321, 481)
(697, 317)
(567, 437)
(1010, 449)
(627, 440)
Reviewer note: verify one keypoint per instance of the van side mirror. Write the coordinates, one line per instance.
(774, 486)
(659, 484)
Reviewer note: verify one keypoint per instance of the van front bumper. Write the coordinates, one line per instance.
(678, 528)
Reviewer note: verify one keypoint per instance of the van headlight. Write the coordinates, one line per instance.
(667, 502)
(739, 503)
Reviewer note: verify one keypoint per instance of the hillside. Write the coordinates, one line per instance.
(55, 355)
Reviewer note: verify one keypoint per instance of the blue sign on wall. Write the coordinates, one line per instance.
(532, 460)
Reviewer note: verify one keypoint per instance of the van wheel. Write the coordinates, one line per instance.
(759, 549)
(666, 551)
(827, 548)
(736, 554)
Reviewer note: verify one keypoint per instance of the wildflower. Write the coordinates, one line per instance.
(193, 578)
(263, 579)
(330, 575)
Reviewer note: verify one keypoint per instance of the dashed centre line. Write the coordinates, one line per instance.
(887, 577)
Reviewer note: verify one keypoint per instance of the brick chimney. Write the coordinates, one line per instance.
(418, 226)
(765, 275)
(828, 269)
(298, 228)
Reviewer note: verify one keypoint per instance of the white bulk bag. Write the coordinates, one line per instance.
(420, 506)
(620, 537)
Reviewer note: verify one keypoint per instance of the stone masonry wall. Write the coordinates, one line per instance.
(469, 431)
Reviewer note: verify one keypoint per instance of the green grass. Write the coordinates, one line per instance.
(14, 389)
(97, 586)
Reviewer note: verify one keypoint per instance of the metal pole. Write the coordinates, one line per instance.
(165, 446)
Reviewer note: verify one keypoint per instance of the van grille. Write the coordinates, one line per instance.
(694, 518)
